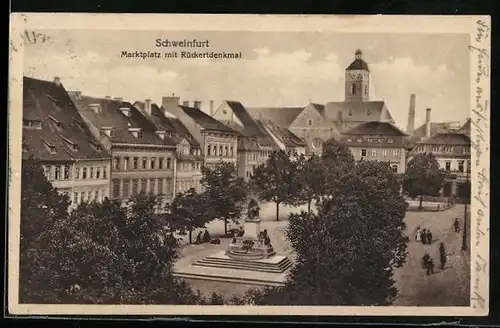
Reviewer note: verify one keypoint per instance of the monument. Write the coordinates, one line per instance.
(249, 258)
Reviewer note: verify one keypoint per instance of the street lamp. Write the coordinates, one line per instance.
(464, 234)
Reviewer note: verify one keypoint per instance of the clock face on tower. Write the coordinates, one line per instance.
(355, 75)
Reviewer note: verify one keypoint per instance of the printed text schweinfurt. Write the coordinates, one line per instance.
(194, 43)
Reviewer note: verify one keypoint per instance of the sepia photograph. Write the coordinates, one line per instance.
(300, 165)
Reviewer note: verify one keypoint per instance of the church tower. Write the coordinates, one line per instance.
(357, 79)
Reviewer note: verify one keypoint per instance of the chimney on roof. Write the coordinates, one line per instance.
(411, 115)
(57, 81)
(197, 104)
(185, 103)
(211, 108)
(428, 122)
(170, 104)
(147, 106)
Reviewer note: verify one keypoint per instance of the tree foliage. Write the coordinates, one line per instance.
(337, 160)
(423, 177)
(276, 181)
(345, 254)
(188, 211)
(225, 192)
(311, 176)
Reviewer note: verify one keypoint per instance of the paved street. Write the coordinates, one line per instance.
(449, 287)
(445, 288)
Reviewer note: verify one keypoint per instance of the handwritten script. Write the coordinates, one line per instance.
(480, 120)
(30, 38)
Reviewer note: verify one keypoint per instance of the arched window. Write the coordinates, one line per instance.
(353, 88)
(366, 89)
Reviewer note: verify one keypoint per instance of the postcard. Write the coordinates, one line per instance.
(176, 165)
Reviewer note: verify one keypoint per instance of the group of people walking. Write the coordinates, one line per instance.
(428, 262)
(425, 236)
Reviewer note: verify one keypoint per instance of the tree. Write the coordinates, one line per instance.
(345, 254)
(423, 177)
(337, 160)
(311, 176)
(188, 212)
(225, 192)
(41, 205)
(275, 180)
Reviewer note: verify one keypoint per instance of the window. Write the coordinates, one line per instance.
(152, 185)
(363, 152)
(448, 149)
(116, 163)
(125, 163)
(384, 153)
(125, 188)
(366, 90)
(77, 173)
(220, 150)
(144, 185)
(461, 166)
(153, 163)
(75, 198)
(380, 140)
(248, 174)
(91, 173)
(96, 195)
(116, 188)
(353, 88)
(390, 140)
(395, 152)
(447, 165)
(370, 139)
(225, 151)
(160, 163)
(435, 149)
(309, 122)
(209, 150)
(57, 172)
(394, 168)
(374, 153)
(231, 151)
(168, 186)
(359, 140)
(144, 164)
(99, 195)
(104, 173)
(160, 186)
(135, 163)
(135, 187)
(67, 172)
(169, 162)
(84, 173)
(349, 139)
(98, 173)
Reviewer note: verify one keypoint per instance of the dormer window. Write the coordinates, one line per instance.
(96, 108)
(390, 140)
(136, 132)
(95, 147)
(79, 124)
(50, 148)
(56, 123)
(370, 140)
(349, 139)
(125, 111)
(380, 140)
(32, 124)
(108, 131)
(73, 146)
(359, 140)
(368, 112)
(161, 134)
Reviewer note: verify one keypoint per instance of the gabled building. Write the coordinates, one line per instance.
(143, 157)
(218, 142)
(189, 156)
(254, 145)
(378, 141)
(452, 151)
(54, 132)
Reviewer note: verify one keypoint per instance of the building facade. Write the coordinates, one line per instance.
(53, 132)
(378, 141)
(254, 145)
(452, 151)
(143, 157)
(218, 142)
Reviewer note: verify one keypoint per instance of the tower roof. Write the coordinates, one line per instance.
(358, 62)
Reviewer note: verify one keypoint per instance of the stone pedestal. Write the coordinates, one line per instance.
(252, 228)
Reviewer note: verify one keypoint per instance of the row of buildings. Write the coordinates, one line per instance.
(95, 147)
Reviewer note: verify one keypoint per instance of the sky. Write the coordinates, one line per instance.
(276, 69)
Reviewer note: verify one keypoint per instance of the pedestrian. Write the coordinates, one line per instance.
(198, 238)
(425, 260)
(430, 267)
(457, 227)
(418, 234)
(206, 237)
(442, 256)
(424, 236)
(429, 237)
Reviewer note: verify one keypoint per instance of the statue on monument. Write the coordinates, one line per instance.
(253, 209)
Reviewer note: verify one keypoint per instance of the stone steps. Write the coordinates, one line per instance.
(258, 266)
(247, 256)
(246, 281)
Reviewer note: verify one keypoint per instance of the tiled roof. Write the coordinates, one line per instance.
(205, 121)
(465, 129)
(457, 139)
(281, 116)
(376, 128)
(358, 64)
(110, 115)
(283, 134)
(359, 111)
(436, 128)
(62, 127)
(250, 127)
